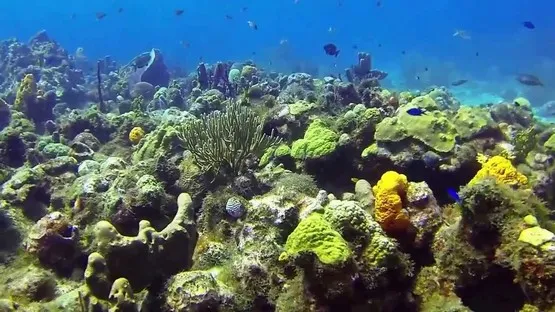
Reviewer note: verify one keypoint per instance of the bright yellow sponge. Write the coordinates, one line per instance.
(389, 204)
(502, 170)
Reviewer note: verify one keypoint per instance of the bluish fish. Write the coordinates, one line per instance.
(528, 25)
(416, 111)
(529, 80)
(454, 195)
(459, 82)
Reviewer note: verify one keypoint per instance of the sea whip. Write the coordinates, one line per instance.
(101, 105)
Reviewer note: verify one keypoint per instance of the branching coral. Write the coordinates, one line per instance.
(226, 138)
(389, 204)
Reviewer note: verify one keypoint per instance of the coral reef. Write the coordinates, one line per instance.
(236, 188)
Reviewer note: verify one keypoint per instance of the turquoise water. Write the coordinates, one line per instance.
(291, 35)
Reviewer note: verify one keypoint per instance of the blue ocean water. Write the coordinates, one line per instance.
(412, 40)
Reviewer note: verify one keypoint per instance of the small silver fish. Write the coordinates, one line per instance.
(252, 25)
(463, 34)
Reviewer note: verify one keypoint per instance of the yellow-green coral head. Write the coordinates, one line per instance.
(314, 234)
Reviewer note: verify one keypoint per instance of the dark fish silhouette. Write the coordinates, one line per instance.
(529, 80)
(416, 111)
(459, 82)
(331, 49)
(100, 15)
(528, 25)
(178, 12)
(120, 10)
(229, 17)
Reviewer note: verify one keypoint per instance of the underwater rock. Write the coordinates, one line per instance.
(32, 284)
(55, 242)
(197, 291)
(144, 89)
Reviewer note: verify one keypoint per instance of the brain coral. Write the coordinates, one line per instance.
(318, 141)
(315, 234)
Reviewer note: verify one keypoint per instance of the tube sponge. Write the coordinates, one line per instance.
(501, 169)
(388, 210)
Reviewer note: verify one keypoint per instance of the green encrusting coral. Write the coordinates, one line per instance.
(318, 141)
(470, 121)
(550, 144)
(315, 234)
(433, 128)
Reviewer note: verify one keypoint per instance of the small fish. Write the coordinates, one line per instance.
(417, 77)
(331, 49)
(331, 29)
(454, 195)
(529, 80)
(252, 25)
(416, 111)
(517, 104)
(355, 46)
(379, 45)
(283, 42)
(179, 12)
(73, 16)
(528, 25)
(378, 3)
(120, 10)
(461, 34)
(244, 9)
(296, 1)
(477, 53)
(100, 15)
(425, 68)
(355, 180)
(228, 17)
(403, 52)
(184, 43)
(253, 52)
(459, 82)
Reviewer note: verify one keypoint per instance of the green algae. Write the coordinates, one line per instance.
(315, 234)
